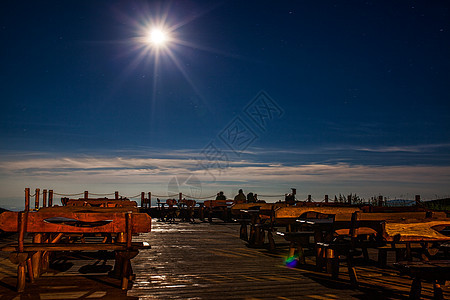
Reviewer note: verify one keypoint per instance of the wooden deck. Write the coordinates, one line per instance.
(205, 261)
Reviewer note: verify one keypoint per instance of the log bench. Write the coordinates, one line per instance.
(55, 229)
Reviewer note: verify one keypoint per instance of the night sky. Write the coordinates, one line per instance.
(329, 97)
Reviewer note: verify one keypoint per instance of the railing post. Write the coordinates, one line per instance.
(116, 195)
(36, 199)
(309, 198)
(149, 199)
(180, 197)
(50, 198)
(326, 198)
(86, 195)
(27, 199)
(142, 199)
(44, 198)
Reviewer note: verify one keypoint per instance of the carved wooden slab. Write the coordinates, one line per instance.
(293, 212)
(75, 222)
(415, 231)
(235, 209)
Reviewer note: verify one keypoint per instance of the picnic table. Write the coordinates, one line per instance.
(56, 229)
(377, 230)
(437, 271)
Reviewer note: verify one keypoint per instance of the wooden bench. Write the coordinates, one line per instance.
(63, 229)
(438, 272)
(259, 216)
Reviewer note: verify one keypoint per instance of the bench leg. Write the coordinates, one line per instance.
(271, 240)
(352, 270)
(332, 262)
(36, 257)
(408, 253)
(118, 258)
(251, 238)
(416, 289)
(260, 235)
(30, 270)
(382, 257)
(243, 232)
(438, 294)
(21, 277)
(365, 254)
(319, 257)
(291, 250)
(301, 254)
(399, 255)
(127, 271)
(126, 265)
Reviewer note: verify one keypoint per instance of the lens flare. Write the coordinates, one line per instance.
(291, 262)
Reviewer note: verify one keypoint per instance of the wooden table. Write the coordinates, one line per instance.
(437, 271)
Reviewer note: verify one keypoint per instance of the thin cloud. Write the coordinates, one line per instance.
(103, 169)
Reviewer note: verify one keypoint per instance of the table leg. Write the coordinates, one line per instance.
(36, 258)
(438, 294)
(30, 270)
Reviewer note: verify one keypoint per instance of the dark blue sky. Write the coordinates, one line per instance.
(358, 83)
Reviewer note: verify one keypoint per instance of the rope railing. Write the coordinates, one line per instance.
(110, 194)
(162, 196)
(200, 198)
(68, 195)
(123, 196)
(269, 196)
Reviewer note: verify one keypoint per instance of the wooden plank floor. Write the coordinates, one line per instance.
(206, 261)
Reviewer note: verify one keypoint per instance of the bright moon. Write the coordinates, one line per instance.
(157, 37)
